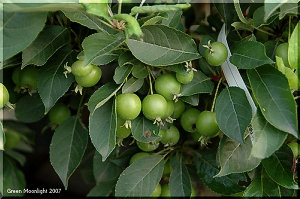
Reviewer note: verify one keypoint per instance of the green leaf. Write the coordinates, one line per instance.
(52, 83)
(178, 68)
(200, 84)
(233, 113)
(258, 17)
(13, 178)
(234, 157)
(141, 177)
(106, 58)
(67, 148)
(99, 44)
(102, 189)
(249, 54)
(105, 171)
(132, 85)
(98, 8)
(22, 129)
(153, 20)
(270, 48)
(267, 139)
(288, 192)
(262, 186)
(231, 73)
(121, 73)
(207, 168)
(143, 130)
(241, 26)
(16, 156)
(180, 182)
(19, 30)
(102, 95)
(86, 170)
(127, 59)
(45, 45)
(192, 100)
(122, 159)
(103, 126)
(42, 7)
(164, 46)
(139, 70)
(227, 11)
(271, 90)
(30, 109)
(294, 48)
(288, 8)
(88, 20)
(279, 167)
(272, 5)
(174, 20)
(11, 62)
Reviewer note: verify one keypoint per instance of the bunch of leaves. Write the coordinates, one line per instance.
(252, 158)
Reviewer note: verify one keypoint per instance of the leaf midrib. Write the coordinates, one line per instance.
(169, 49)
(46, 46)
(144, 176)
(52, 78)
(272, 98)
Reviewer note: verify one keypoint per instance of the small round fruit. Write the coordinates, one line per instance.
(12, 139)
(128, 106)
(150, 146)
(28, 77)
(292, 78)
(295, 147)
(170, 109)
(207, 124)
(59, 113)
(122, 132)
(178, 109)
(188, 119)
(282, 51)
(16, 76)
(90, 79)
(170, 136)
(167, 168)
(185, 78)
(165, 191)
(138, 156)
(217, 54)
(167, 86)
(4, 95)
(78, 69)
(154, 106)
(157, 191)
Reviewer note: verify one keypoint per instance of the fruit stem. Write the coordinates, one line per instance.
(80, 104)
(169, 149)
(261, 30)
(120, 7)
(150, 81)
(210, 69)
(137, 14)
(217, 89)
(110, 24)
